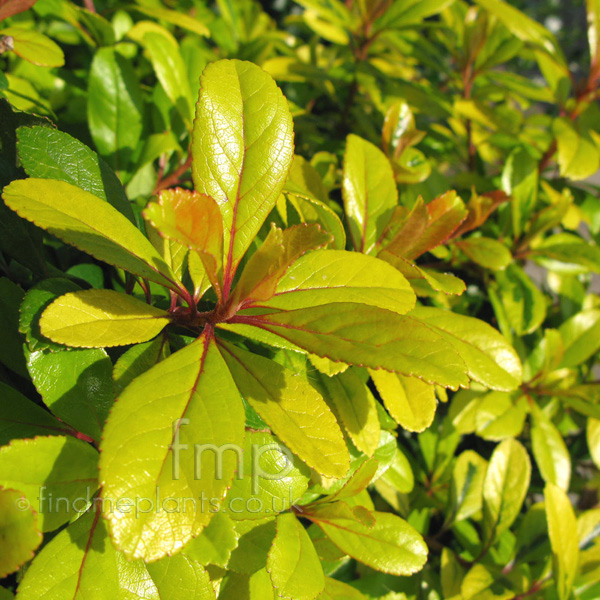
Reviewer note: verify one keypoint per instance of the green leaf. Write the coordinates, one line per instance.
(81, 562)
(18, 526)
(115, 108)
(242, 150)
(505, 486)
(593, 19)
(369, 192)
(21, 418)
(193, 220)
(33, 305)
(581, 337)
(486, 252)
(292, 563)
(345, 332)
(410, 401)
(270, 480)
(500, 415)
(525, 28)
(174, 17)
(179, 578)
(57, 474)
(593, 439)
(137, 360)
(293, 409)
(578, 153)
(466, 486)
(254, 542)
(391, 545)
(257, 586)
(11, 349)
(100, 318)
(83, 220)
(524, 304)
(329, 276)
(187, 399)
(338, 590)
(51, 154)
(170, 70)
(354, 407)
(269, 263)
(520, 181)
(35, 47)
(399, 474)
(216, 542)
(489, 357)
(567, 253)
(75, 385)
(562, 530)
(549, 450)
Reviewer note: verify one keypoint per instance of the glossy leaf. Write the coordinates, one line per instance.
(22, 418)
(293, 409)
(391, 545)
(100, 318)
(581, 337)
(179, 578)
(345, 332)
(254, 542)
(466, 488)
(489, 358)
(51, 154)
(329, 276)
(178, 397)
(57, 474)
(505, 486)
(115, 108)
(338, 590)
(578, 153)
(69, 567)
(293, 564)
(193, 220)
(486, 252)
(269, 263)
(35, 47)
(369, 191)
(549, 450)
(270, 479)
(18, 525)
(410, 401)
(8, 8)
(355, 408)
(242, 149)
(216, 542)
(83, 220)
(75, 385)
(562, 530)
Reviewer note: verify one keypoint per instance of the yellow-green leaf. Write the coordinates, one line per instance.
(390, 545)
(366, 336)
(35, 47)
(293, 409)
(81, 219)
(186, 400)
(490, 359)
(550, 451)
(355, 408)
(578, 153)
(100, 318)
(270, 262)
(505, 486)
(18, 531)
(242, 147)
(292, 563)
(410, 401)
(593, 439)
(562, 529)
(328, 276)
(369, 191)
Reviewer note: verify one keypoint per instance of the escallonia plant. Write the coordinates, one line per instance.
(255, 341)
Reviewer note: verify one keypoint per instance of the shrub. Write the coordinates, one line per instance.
(329, 334)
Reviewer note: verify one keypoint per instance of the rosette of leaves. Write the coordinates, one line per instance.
(249, 319)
